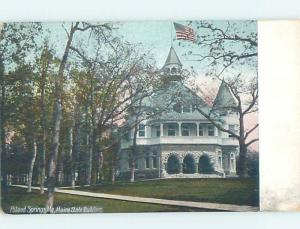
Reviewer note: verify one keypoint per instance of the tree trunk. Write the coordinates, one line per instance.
(95, 158)
(71, 157)
(242, 160)
(133, 153)
(113, 175)
(60, 167)
(90, 161)
(76, 145)
(44, 135)
(57, 120)
(53, 157)
(100, 167)
(132, 168)
(242, 148)
(89, 144)
(31, 166)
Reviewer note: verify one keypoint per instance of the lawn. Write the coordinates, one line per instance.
(229, 191)
(18, 197)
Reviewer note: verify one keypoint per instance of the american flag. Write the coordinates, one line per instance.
(184, 32)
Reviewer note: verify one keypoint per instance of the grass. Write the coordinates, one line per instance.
(229, 191)
(18, 197)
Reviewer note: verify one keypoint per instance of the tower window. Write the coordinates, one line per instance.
(173, 70)
(157, 131)
(211, 130)
(141, 130)
(185, 131)
(171, 130)
(201, 130)
(232, 129)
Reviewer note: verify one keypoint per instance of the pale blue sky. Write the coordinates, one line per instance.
(158, 36)
(155, 36)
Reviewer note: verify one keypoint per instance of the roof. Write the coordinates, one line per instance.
(172, 93)
(224, 99)
(172, 58)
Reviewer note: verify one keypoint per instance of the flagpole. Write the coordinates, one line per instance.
(171, 24)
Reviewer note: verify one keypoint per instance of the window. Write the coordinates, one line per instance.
(154, 160)
(220, 160)
(155, 131)
(232, 129)
(232, 162)
(147, 162)
(201, 130)
(127, 164)
(185, 131)
(158, 132)
(177, 107)
(194, 108)
(211, 130)
(171, 130)
(173, 70)
(141, 130)
(186, 108)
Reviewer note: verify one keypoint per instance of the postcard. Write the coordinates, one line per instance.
(143, 116)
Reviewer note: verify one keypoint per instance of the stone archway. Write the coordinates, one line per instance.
(173, 165)
(205, 166)
(188, 164)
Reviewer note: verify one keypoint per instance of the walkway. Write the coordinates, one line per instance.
(191, 204)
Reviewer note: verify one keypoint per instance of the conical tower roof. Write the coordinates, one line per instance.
(172, 68)
(172, 59)
(224, 100)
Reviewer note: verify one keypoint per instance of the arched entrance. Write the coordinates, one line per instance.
(205, 165)
(188, 164)
(173, 165)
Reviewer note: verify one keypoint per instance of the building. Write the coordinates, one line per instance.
(180, 141)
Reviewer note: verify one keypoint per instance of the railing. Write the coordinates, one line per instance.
(182, 140)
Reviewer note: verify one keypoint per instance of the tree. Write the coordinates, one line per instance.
(21, 102)
(57, 115)
(16, 40)
(228, 49)
(109, 83)
(44, 65)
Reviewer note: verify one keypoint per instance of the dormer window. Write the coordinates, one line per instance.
(186, 108)
(177, 107)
